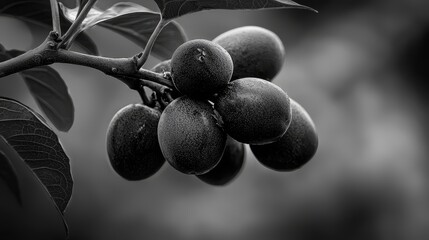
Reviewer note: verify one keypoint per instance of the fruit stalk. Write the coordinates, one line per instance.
(155, 77)
(145, 99)
(159, 88)
(163, 93)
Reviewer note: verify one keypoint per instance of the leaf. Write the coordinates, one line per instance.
(40, 148)
(38, 12)
(50, 92)
(175, 8)
(7, 173)
(51, 95)
(36, 216)
(136, 23)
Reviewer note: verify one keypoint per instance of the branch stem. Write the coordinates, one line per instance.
(48, 53)
(155, 77)
(161, 89)
(56, 24)
(143, 56)
(74, 28)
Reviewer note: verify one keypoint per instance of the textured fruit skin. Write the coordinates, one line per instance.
(228, 167)
(162, 67)
(255, 51)
(295, 148)
(200, 68)
(253, 110)
(189, 135)
(132, 142)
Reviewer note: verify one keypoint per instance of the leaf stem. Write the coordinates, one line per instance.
(56, 24)
(143, 56)
(74, 28)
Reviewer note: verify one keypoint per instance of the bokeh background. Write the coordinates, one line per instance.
(358, 67)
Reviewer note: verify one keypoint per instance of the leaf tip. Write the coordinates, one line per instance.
(308, 8)
(300, 6)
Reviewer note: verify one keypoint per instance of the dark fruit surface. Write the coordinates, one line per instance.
(200, 68)
(229, 166)
(254, 111)
(132, 142)
(255, 51)
(162, 67)
(295, 148)
(189, 135)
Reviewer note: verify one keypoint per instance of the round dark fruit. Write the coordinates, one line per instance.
(253, 110)
(190, 136)
(200, 68)
(228, 167)
(297, 146)
(255, 52)
(162, 67)
(132, 142)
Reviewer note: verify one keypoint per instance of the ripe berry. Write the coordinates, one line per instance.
(229, 166)
(253, 110)
(132, 142)
(189, 135)
(255, 51)
(200, 68)
(297, 146)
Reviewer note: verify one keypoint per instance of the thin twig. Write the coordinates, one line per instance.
(143, 56)
(74, 28)
(161, 89)
(80, 5)
(155, 77)
(56, 24)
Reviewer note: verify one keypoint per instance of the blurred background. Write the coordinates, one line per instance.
(359, 69)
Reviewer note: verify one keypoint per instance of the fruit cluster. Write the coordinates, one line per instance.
(225, 99)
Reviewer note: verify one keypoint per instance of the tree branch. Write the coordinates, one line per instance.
(38, 56)
(48, 53)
